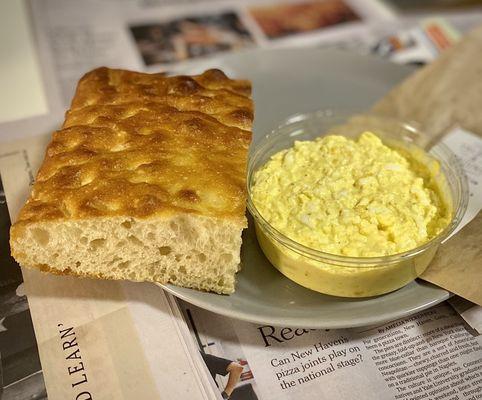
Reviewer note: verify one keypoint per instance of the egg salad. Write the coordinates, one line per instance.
(356, 198)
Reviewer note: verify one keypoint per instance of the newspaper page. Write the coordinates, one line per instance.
(164, 35)
(429, 355)
(95, 338)
(74, 37)
(78, 353)
(161, 35)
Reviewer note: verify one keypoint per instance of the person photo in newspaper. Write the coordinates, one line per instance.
(222, 366)
(222, 354)
(190, 37)
(20, 370)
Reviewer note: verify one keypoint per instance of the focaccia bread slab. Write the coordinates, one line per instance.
(145, 181)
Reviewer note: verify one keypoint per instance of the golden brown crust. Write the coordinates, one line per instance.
(145, 144)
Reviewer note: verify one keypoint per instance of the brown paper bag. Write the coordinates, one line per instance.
(447, 93)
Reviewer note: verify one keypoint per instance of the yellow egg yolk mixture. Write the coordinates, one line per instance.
(355, 198)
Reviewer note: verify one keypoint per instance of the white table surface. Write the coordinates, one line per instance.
(21, 89)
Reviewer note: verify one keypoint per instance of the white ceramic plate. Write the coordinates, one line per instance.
(286, 82)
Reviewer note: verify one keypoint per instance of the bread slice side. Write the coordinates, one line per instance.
(186, 249)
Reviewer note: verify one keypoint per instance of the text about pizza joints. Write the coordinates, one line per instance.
(428, 356)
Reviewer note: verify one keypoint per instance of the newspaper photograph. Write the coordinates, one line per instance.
(279, 20)
(190, 37)
(21, 375)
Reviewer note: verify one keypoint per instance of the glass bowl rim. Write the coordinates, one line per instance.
(350, 261)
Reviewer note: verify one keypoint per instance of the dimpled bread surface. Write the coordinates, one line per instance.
(146, 181)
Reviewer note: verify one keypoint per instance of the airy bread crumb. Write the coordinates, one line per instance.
(192, 251)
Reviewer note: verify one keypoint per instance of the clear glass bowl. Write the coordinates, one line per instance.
(340, 275)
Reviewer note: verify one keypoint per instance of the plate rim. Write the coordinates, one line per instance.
(438, 296)
(310, 323)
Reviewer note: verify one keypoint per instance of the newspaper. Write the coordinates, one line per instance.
(429, 355)
(152, 35)
(104, 340)
(79, 324)
(73, 37)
